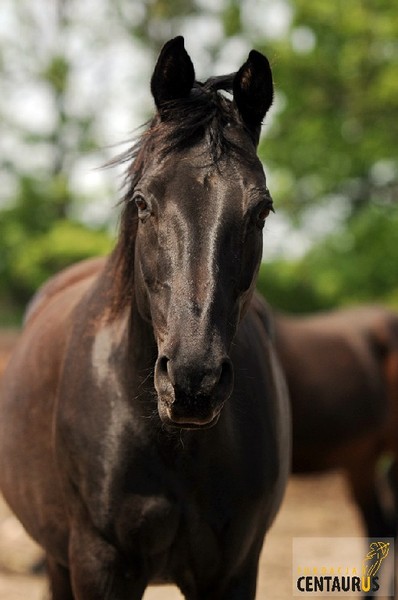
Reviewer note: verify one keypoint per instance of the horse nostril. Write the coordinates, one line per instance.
(162, 365)
(226, 376)
(164, 368)
(186, 380)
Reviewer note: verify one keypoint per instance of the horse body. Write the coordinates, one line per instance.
(144, 419)
(342, 373)
(163, 496)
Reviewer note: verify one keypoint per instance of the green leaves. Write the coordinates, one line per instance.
(357, 264)
(340, 113)
(333, 128)
(57, 73)
(36, 238)
(66, 242)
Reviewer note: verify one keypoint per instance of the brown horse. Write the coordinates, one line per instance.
(342, 372)
(144, 421)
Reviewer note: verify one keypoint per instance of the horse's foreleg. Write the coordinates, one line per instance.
(241, 585)
(392, 478)
(378, 514)
(365, 487)
(59, 579)
(98, 571)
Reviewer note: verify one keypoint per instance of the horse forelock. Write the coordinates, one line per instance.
(207, 110)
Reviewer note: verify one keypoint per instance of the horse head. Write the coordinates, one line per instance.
(198, 201)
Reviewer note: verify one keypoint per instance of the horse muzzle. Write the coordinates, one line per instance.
(192, 395)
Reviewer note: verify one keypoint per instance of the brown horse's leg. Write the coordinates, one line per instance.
(60, 586)
(240, 585)
(363, 481)
(393, 483)
(391, 376)
(98, 572)
(378, 521)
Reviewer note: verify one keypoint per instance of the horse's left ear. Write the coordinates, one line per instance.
(254, 90)
(174, 74)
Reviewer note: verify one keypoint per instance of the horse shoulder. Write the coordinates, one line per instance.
(29, 396)
(32, 375)
(60, 282)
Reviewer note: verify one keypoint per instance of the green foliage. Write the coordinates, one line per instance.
(42, 256)
(39, 162)
(36, 240)
(333, 132)
(37, 203)
(358, 264)
(232, 18)
(336, 75)
(57, 73)
(336, 72)
(156, 21)
(290, 287)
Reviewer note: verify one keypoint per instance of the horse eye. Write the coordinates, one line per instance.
(140, 203)
(263, 214)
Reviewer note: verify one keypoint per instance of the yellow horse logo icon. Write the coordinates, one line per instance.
(378, 551)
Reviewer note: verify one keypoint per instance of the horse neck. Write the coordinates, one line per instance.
(118, 326)
(141, 346)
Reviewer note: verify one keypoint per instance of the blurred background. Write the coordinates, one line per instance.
(74, 88)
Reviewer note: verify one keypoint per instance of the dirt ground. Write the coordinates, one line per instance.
(313, 506)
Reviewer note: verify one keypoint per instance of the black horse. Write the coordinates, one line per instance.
(144, 424)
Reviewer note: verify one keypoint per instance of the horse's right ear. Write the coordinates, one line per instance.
(174, 74)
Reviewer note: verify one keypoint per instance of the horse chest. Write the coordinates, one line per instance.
(164, 523)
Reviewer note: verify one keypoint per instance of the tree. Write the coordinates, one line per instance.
(68, 69)
(353, 265)
(337, 90)
(45, 134)
(75, 81)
